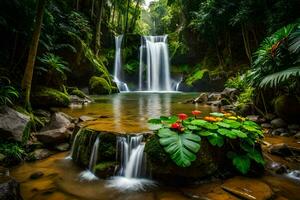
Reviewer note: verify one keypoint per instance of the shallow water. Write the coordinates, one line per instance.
(129, 112)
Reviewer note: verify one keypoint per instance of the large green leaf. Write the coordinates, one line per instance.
(239, 133)
(232, 123)
(154, 121)
(227, 133)
(216, 140)
(253, 153)
(181, 147)
(241, 162)
(224, 125)
(217, 114)
(199, 122)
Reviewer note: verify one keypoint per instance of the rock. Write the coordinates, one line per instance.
(270, 116)
(278, 123)
(276, 132)
(58, 120)
(293, 126)
(48, 97)
(12, 123)
(62, 147)
(276, 167)
(36, 175)
(247, 188)
(40, 154)
(78, 100)
(9, 187)
(85, 118)
(214, 103)
(54, 136)
(297, 135)
(288, 108)
(43, 115)
(266, 125)
(229, 93)
(254, 118)
(203, 98)
(281, 149)
(228, 107)
(214, 96)
(164, 169)
(98, 85)
(284, 134)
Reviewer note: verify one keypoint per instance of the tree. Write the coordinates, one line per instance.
(27, 79)
(100, 5)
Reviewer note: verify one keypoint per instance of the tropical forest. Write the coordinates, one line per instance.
(149, 100)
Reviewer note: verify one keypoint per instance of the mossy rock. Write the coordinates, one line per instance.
(78, 93)
(99, 85)
(163, 168)
(49, 97)
(84, 145)
(287, 108)
(105, 169)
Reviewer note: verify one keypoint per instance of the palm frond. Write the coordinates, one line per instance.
(275, 79)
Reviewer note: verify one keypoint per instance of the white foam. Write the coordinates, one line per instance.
(129, 184)
(87, 175)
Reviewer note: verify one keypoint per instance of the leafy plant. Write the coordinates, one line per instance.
(180, 137)
(7, 95)
(197, 75)
(12, 150)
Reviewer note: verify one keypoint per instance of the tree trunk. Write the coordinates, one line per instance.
(92, 9)
(127, 16)
(98, 27)
(246, 42)
(27, 79)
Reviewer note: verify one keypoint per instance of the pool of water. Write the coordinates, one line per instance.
(129, 112)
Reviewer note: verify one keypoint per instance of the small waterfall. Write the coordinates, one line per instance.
(89, 175)
(122, 86)
(94, 155)
(132, 169)
(70, 156)
(158, 65)
(178, 84)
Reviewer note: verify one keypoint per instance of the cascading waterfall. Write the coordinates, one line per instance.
(157, 62)
(122, 86)
(70, 156)
(132, 170)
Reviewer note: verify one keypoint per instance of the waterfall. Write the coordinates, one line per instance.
(89, 175)
(132, 169)
(122, 86)
(94, 155)
(158, 65)
(71, 155)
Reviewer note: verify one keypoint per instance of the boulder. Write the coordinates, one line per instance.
(40, 154)
(49, 97)
(266, 125)
(281, 149)
(214, 96)
(163, 168)
(288, 108)
(229, 93)
(9, 187)
(248, 189)
(297, 135)
(54, 136)
(12, 123)
(85, 118)
(278, 123)
(58, 120)
(99, 85)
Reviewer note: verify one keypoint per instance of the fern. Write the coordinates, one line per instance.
(273, 80)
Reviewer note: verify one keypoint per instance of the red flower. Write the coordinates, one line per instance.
(196, 112)
(176, 126)
(182, 116)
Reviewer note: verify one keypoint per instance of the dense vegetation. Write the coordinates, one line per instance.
(50, 48)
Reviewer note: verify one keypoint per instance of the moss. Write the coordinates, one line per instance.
(287, 108)
(78, 93)
(99, 85)
(107, 147)
(104, 166)
(155, 152)
(49, 97)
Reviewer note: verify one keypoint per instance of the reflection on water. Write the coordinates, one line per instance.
(129, 112)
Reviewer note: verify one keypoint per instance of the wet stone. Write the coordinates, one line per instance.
(63, 147)
(247, 188)
(294, 127)
(280, 149)
(266, 125)
(297, 135)
(278, 123)
(285, 134)
(36, 175)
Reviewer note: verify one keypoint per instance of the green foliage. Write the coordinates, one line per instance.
(197, 75)
(181, 138)
(99, 85)
(78, 93)
(50, 97)
(7, 95)
(245, 97)
(238, 82)
(277, 61)
(181, 147)
(12, 150)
